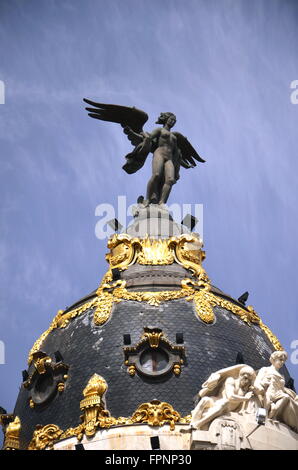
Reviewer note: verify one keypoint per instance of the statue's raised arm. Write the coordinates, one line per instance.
(170, 149)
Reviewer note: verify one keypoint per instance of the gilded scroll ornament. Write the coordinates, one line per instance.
(188, 252)
(65, 318)
(12, 435)
(185, 250)
(123, 251)
(77, 432)
(45, 437)
(156, 413)
(185, 419)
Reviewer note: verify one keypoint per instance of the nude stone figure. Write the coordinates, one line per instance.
(280, 402)
(225, 391)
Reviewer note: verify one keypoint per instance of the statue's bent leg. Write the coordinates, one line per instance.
(218, 409)
(278, 407)
(169, 181)
(157, 173)
(196, 414)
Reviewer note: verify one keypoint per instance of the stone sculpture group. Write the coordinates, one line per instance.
(240, 389)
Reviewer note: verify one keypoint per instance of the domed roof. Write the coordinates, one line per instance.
(154, 330)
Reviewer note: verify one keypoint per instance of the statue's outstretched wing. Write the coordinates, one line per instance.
(215, 380)
(131, 119)
(188, 153)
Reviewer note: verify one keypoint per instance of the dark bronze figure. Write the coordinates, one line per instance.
(170, 149)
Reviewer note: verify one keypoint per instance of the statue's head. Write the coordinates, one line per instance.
(247, 375)
(278, 358)
(165, 118)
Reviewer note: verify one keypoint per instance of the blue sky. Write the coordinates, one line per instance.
(224, 67)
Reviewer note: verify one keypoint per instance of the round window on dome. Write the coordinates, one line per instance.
(154, 360)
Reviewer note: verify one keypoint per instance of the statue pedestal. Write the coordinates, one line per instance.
(154, 221)
(235, 432)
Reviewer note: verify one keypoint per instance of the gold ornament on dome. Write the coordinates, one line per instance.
(45, 437)
(41, 363)
(46, 371)
(154, 338)
(96, 387)
(40, 340)
(156, 413)
(93, 406)
(103, 307)
(77, 432)
(185, 250)
(152, 298)
(125, 251)
(131, 369)
(155, 252)
(204, 301)
(177, 369)
(153, 335)
(12, 435)
(188, 252)
(60, 387)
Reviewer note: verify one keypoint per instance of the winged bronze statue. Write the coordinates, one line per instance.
(170, 149)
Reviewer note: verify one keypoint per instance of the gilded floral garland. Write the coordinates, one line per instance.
(197, 291)
(152, 298)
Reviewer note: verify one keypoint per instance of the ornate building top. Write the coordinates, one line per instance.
(136, 350)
